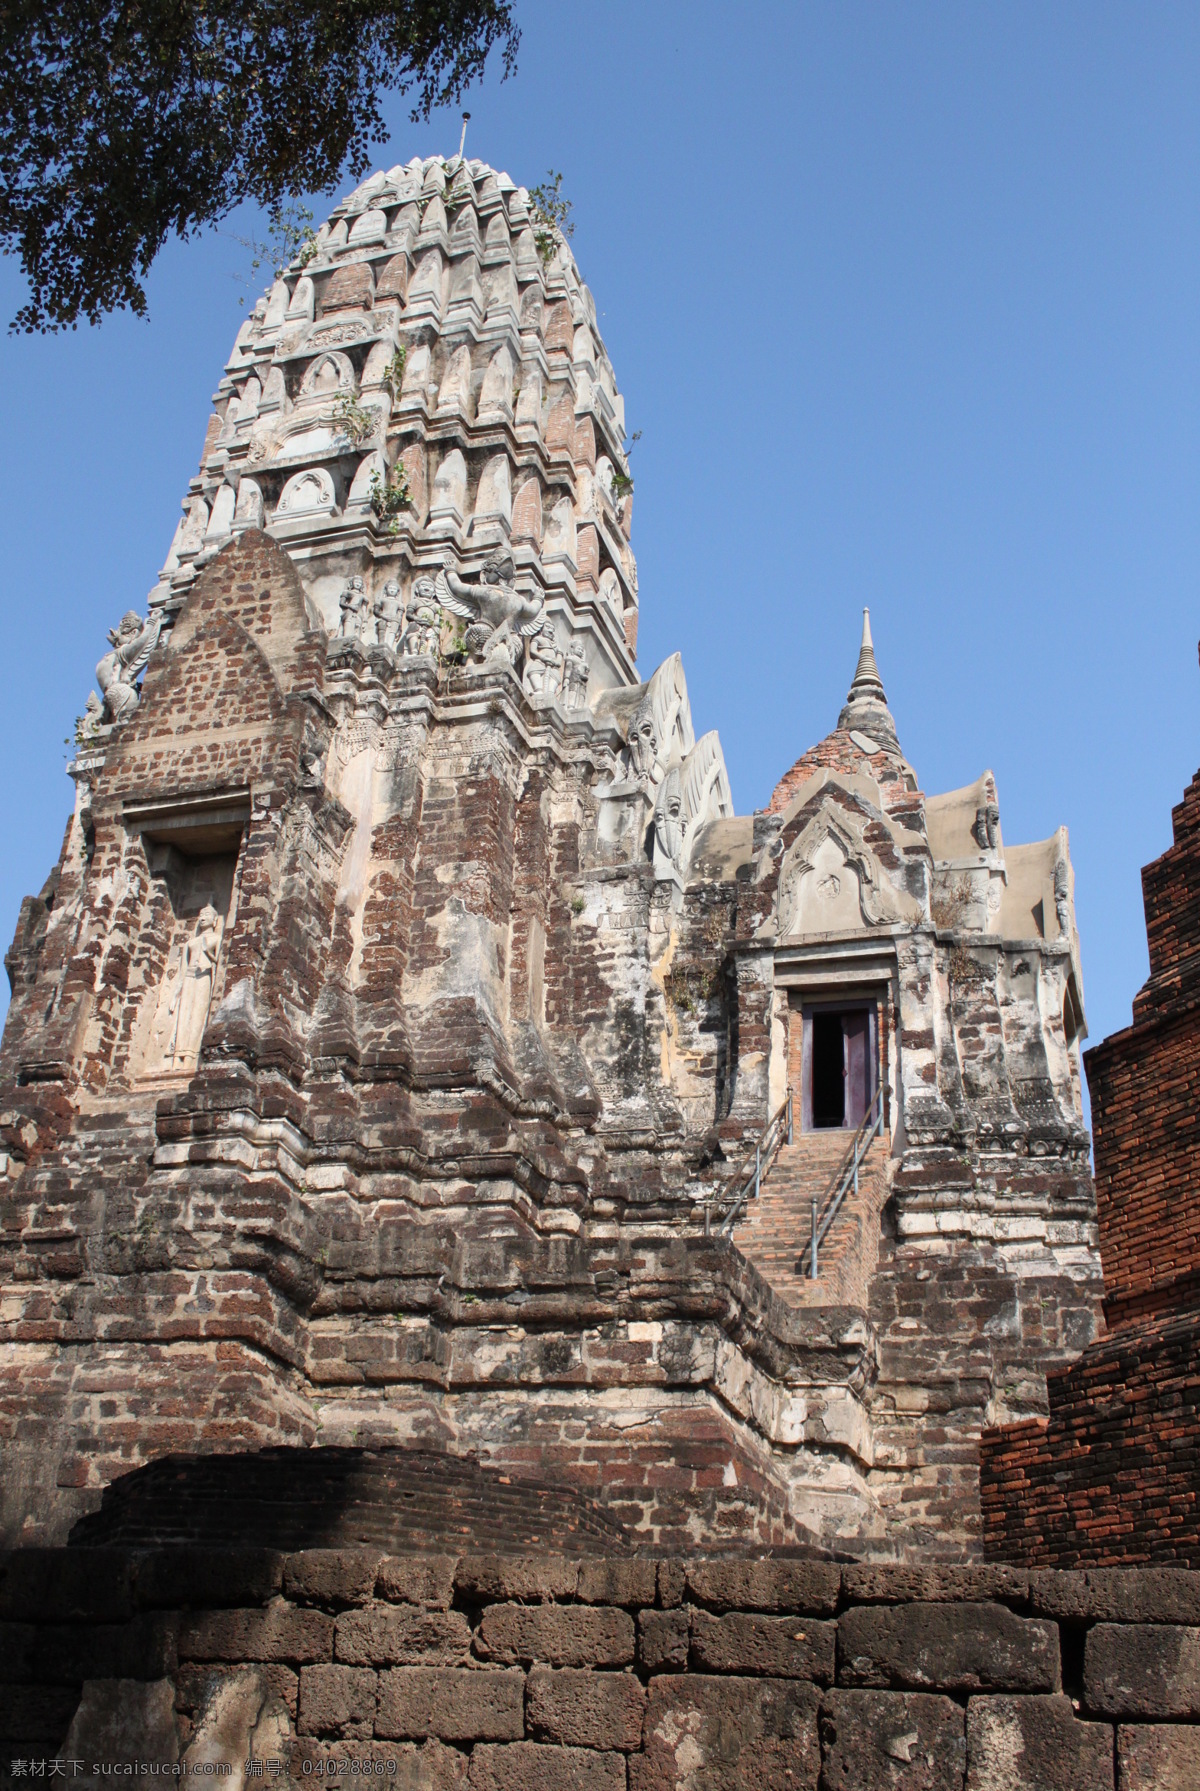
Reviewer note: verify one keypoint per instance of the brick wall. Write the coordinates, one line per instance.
(553, 1673)
(1145, 1087)
(1113, 1473)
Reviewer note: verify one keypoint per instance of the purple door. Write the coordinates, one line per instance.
(856, 1032)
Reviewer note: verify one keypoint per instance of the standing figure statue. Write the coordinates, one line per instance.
(133, 641)
(389, 615)
(356, 623)
(193, 991)
(490, 604)
(543, 663)
(423, 632)
(576, 672)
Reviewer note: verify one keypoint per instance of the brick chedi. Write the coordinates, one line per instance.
(392, 1046)
(1113, 1475)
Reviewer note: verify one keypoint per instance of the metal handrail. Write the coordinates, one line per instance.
(764, 1152)
(863, 1139)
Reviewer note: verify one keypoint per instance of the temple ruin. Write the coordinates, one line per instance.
(413, 1050)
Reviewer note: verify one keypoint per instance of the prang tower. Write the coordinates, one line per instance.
(412, 1047)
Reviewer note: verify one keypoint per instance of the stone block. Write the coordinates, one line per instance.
(616, 1582)
(586, 1709)
(705, 1734)
(451, 1704)
(672, 1583)
(892, 1741)
(239, 1717)
(1142, 1670)
(558, 1635)
(337, 1700)
(531, 1578)
(120, 1721)
(1158, 1757)
(54, 1585)
(887, 1583)
(1117, 1594)
(332, 1575)
(802, 1586)
(779, 1647)
(663, 1638)
(400, 1765)
(280, 1632)
(529, 1767)
(61, 1653)
(36, 1713)
(416, 1579)
(1035, 1744)
(201, 1577)
(944, 1647)
(195, 1682)
(390, 1635)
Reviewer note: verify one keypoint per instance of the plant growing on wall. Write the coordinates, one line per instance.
(355, 423)
(290, 240)
(393, 373)
(390, 497)
(550, 215)
(622, 483)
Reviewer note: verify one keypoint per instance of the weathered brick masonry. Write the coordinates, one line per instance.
(560, 1673)
(1113, 1473)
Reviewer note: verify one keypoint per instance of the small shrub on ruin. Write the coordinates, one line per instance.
(355, 423)
(951, 904)
(390, 497)
(550, 215)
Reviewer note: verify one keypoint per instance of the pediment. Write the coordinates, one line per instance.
(831, 879)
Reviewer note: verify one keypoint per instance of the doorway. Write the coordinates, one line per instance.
(839, 1072)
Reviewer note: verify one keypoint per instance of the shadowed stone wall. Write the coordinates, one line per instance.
(554, 1673)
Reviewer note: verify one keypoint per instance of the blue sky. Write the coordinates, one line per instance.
(904, 300)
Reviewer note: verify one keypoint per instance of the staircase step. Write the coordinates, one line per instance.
(775, 1229)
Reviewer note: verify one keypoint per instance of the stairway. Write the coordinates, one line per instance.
(774, 1230)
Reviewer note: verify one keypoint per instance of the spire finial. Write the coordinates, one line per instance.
(462, 141)
(867, 685)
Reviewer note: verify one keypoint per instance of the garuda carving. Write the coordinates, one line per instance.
(494, 608)
(879, 901)
(132, 642)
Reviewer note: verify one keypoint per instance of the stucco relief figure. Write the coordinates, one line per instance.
(543, 663)
(424, 626)
(987, 826)
(670, 825)
(692, 791)
(91, 721)
(505, 647)
(356, 623)
(661, 726)
(133, 641)
(576, 672)
(1062, 896)
(389, 615)
(179, 1026)
(487, 606)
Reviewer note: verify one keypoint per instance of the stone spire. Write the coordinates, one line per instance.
(866, 711)
(867, 684)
